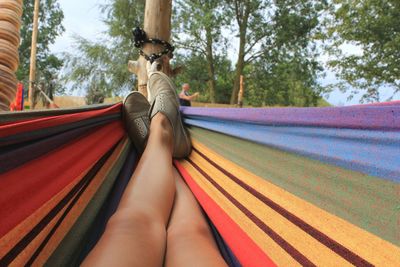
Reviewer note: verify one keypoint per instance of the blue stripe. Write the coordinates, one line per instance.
(224, 249)
(372, 152)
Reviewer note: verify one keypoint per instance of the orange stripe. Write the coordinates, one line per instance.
(243, 247)
(293, 235)
(370, 247)
(263, 241)
(11, 239)
(79, 207)
(27, 253)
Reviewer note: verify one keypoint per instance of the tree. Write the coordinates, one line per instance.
(100, 67)
(88, 68)
(50, 26)
(373, 28)
(252, 26)
(287, 72)
(200, 23)
(196, 73)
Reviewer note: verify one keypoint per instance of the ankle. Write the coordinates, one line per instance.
(161, 121)
(160, 126)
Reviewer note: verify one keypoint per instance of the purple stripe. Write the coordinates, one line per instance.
(375, 153)
(357, 117)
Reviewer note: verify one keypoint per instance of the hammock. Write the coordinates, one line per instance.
(289, 187)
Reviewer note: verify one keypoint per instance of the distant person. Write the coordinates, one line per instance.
(184, 97)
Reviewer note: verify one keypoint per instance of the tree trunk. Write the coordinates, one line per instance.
(32, 72)
(157, 24)
(239, 66)
(243, 10)
(211, 68)
(241, 91)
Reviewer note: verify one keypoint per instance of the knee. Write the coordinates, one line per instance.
(130, 220)
(189, 229)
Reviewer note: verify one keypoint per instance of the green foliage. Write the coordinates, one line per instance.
(50, 26)
(195, 73)
(277, 52)
(88, 69)
(251, 25)
(193, 19)
(101, 67)
(372, 26)
(198, 30)
(278, 48)
(224, 79)
(287, 72)
(94, 96)
(121, 17)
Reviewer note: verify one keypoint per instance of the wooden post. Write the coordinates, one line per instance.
(51, 103)
(241, 91)
(157, 24)
(32, 73)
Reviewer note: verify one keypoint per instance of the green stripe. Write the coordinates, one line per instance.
(68, 251)
(366, 201)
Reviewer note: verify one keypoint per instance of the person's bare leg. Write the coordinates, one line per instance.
(136, 234)
(189, 238)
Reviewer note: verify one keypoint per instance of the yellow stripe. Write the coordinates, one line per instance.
(266, 244)
(368, 246)
(303, 242)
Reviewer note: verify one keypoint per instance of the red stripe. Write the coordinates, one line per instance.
(244, 248)
(318, 235)
(27, 188)
(35, 124)
(292, 251)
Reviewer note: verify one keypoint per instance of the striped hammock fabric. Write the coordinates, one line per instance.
(280, 186)
(300, 186)
(62, 174)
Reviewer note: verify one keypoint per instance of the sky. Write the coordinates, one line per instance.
(82, 17)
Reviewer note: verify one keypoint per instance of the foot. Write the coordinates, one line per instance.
(164, 99)
(160, 124)
(136, 119)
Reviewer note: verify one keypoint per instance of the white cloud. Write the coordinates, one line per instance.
(82, 17)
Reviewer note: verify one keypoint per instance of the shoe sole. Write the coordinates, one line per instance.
(140, 108)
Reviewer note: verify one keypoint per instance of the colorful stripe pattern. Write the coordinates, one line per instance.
(300, 186)
(265, 225)
(364, 139)
(282, 187)
(59, 174)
